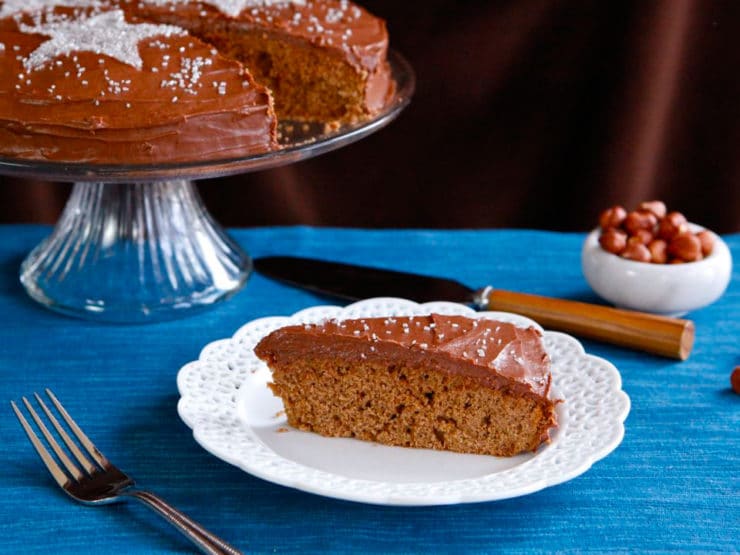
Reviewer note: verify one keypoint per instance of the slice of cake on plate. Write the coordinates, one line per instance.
(461, 384)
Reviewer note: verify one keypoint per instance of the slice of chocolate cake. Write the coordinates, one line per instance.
(442, 382)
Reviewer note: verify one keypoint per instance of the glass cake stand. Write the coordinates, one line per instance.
(136, 244)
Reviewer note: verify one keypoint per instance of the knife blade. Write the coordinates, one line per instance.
(660, 335)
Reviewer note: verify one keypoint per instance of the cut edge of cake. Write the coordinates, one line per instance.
(324, 61)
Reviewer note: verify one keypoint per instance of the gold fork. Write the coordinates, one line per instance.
(100, 482)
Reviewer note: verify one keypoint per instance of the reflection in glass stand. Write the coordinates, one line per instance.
(136, 244)
(134, 252)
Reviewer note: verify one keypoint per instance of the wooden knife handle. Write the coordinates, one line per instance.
(660, 335)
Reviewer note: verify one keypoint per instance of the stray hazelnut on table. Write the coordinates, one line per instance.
(613, 240)
(612, 217)
(735, 379)
(637, 252)
(685, 246)
(657, 207)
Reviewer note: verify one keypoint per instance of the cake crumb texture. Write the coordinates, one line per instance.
(409, 407)
(307, 84)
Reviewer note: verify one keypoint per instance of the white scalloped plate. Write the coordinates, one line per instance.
(225, 400)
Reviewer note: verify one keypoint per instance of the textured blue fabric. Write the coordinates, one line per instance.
(671, 485)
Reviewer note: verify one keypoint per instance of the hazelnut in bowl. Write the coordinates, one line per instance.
(655, 261)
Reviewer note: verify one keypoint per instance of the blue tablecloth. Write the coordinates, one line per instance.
(672, 484)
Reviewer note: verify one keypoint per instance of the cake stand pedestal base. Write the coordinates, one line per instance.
(134, 252)
(131, 247)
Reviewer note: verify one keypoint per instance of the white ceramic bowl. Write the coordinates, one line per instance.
(669, 289)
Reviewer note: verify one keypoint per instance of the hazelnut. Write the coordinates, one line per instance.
(613, 240)
(637, 252)
(652, 234)
(706, 238)
(685, 246)
(612, 217)
(640, 219)
(673, 224)
(641, 236)
(634, 240)
(735, 379)
(657, 207)
(658, 251)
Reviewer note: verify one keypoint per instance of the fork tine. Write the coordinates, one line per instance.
(79, 455)
(83, 439)
(66, 461)
(61, 478)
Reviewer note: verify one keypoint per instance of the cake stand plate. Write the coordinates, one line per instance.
(136, 244)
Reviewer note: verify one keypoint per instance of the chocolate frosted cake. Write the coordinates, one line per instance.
(324, 60)
(90, 85)
(164, 81)
(440, 382)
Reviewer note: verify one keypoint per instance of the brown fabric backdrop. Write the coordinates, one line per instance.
(533, 113)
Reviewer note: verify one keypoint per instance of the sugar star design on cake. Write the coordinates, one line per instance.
(107, 34)
(12, 7)
(98, 87)
(232, 7)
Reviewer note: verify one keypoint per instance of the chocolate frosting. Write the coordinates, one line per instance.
(497, 354)
(185, 102)
(341, 28)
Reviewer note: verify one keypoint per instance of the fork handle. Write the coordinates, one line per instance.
(205, 540)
